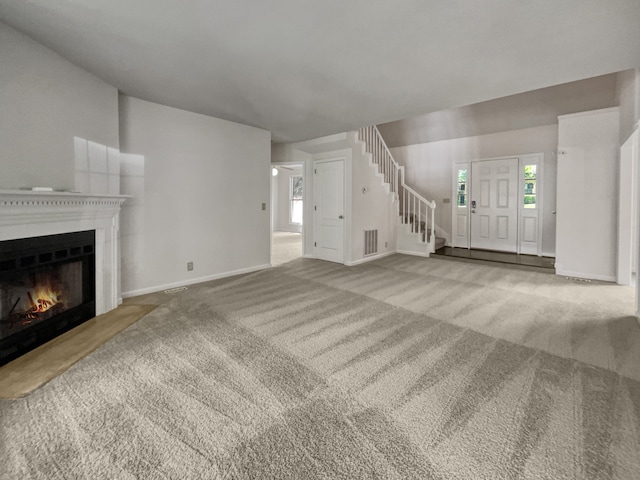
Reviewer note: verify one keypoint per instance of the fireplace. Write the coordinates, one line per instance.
(47, 286)
(31, 225)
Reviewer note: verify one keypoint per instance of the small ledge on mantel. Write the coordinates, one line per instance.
(60, 193)
(22, 197)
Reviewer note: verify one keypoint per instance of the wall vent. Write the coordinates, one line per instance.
(175, 290)
(370, 242)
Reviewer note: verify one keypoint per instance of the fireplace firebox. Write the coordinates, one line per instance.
(47, 287)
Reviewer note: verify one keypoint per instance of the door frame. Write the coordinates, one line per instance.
(628, 212)
(523, 159)
(346, 201)
(272, 165)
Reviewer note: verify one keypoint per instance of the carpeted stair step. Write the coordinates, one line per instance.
(420, 227)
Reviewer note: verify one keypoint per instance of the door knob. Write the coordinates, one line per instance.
(341, 217)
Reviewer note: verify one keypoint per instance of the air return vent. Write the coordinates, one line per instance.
(370, 242)
(175, 290)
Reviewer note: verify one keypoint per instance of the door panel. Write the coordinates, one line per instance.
(328, 188)
(484, 226)
(494, 220)
(462, 221)
(503, 227)
(503, 193)
(485, 193)
(529, 229)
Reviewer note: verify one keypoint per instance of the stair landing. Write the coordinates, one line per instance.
(543, 263)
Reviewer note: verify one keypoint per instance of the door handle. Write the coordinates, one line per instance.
(341, 217)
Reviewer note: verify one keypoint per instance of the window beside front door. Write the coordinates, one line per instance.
(529, 190)
(462, 188)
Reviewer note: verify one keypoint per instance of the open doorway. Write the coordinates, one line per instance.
(287, 219)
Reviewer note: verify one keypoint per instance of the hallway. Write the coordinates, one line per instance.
(285, 247)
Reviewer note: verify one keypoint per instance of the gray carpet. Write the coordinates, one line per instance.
(285, 247)
(400, 368)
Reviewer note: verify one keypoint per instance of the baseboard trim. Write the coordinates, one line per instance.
(369, 259)
(415, 254)
(191, 281)
(588, 276)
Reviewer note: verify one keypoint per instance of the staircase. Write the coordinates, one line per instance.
(417, 231)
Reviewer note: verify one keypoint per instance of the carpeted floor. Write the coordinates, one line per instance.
(399, 368)
(285, 247)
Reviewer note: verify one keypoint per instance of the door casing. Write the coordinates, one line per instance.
(329, 209)
(529, 220)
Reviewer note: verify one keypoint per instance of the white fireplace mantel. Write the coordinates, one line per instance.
(25, 213)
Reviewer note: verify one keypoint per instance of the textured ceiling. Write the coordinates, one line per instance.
(308, 68)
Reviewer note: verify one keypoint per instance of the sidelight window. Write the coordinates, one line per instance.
(530, 177)
(462, 190)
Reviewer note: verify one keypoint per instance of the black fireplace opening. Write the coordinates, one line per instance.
(47, 287)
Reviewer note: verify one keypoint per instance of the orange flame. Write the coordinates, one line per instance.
(43, 298)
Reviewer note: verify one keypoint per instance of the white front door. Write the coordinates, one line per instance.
(494, 205)
(328, 197)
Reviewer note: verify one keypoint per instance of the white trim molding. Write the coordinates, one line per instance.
(415, 254)
(192, 281)
(369, 258)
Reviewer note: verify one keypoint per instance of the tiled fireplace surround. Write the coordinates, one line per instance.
(26, 214)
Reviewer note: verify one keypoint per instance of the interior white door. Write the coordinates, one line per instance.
(494, 205)
(328, 196)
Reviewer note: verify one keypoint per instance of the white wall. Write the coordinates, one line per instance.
(429, 168)
(370, 210)
(628, 92)
(204, 182)
(280, 199)
(535, 108)
(588, 194)
(45, 101)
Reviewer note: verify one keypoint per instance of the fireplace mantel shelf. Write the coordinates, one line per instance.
(20, 197)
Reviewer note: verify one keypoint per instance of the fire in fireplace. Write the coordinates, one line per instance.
(47, 286)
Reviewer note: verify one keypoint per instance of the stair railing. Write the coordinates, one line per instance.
(412, 207)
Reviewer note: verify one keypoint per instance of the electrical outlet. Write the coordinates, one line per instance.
(189, 266)
(385, 244)
(264, 206)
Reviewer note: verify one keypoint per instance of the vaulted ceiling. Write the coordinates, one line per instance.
(308, 68)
